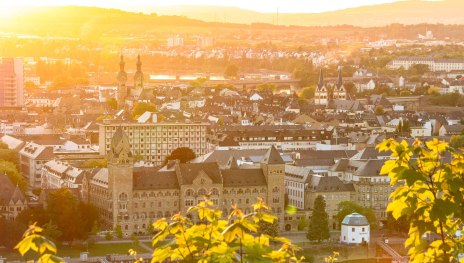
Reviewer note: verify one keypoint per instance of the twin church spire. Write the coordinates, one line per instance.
(122, 80)
(322, 95)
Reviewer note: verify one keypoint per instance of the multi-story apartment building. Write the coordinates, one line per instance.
(31, 158)
(11, 82)
(154, 141)
(284, 137)
(133, 197)
(434, 64)
(57, 174)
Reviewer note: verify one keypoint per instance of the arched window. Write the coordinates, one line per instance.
(215, 191)
(240, 191)
(160, 194)
(255, 191)
(202, 192)
(225, 191)
(168, 193)
(122, 197)
(189, 192)
(167, 214)
(159, 214)
(247, 191)
(275, 189)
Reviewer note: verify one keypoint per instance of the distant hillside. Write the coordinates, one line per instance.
(404, 12)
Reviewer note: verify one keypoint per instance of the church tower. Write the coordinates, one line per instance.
(274, 170)
(120, 181)
(138, 77)
(321, 94)
(122, 88)
(339, 92)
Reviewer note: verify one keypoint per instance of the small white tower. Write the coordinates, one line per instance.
(355, 229)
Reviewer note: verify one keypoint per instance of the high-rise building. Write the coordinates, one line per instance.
(11, 82)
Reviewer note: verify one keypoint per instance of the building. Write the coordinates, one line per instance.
(12, 200)
(31, 158)
(133, 197)
(11, 82)
(448, 130)
(355, 229)
(175, 41)
(152, 142)
(434, 64)
(57, 174)
(321, 95)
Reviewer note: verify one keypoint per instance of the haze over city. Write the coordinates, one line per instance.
(231, 131)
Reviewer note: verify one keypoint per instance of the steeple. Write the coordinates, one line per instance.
(120, 152)
(272, 157)
(340, 80)
(122, 75)
(320, 84)
(121, 64)
(138, 77)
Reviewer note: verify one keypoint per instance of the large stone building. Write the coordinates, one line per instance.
(133, 197)
(323, 95)
(12, 200)
(154, 141)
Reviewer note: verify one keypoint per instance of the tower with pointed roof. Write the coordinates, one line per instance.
(138, 77)
(321, 94)
(339, 91)
(273, 167)
(120, 180)
(122, 88)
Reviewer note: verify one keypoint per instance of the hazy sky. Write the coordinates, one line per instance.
(292, 6)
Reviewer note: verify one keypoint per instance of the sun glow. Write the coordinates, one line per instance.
(8, 10)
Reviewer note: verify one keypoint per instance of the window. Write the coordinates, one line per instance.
(352, 229)
(189, 202)
(363, 229)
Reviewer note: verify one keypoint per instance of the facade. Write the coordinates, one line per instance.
(434, 64)
(355, 229)
(154, 141)
(133, 197)
(31, 158)
(57, 174)
(11, 82)
(12, 200)
(321, 95)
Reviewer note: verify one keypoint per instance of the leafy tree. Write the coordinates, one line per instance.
(457, 141)
(303, 223)
(142, 107)
(401, 224)
(379, 110)
(183, 154)
(347, 207)
(11, 171)
(213, 239)
(95, 163)
(10, 156)
(112, 103)
(108, 236)
(231, 71)
(10, 232)
(270, 229)
(430, 194)
(51, 231)
(319, 223)
(39, 246)
(118, 231)
(307, 93)
(266, 87)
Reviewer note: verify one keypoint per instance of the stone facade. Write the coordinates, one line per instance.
(134, 197)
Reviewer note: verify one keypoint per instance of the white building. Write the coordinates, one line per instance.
(175, 41)
(435, 64)
(355, 229)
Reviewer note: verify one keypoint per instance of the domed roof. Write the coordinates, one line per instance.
(355, 219)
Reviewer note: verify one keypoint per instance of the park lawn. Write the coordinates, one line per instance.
(95, 250)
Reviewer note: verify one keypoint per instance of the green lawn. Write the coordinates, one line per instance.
(95, 250)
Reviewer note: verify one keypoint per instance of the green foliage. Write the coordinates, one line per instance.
(457, 141)
(11, 171)
(134, 239)
(430, 193)
(379, 110)
(319, 223)
(231, 71)
(118, 231)
(112, 103)
(142, 107)
(403, 126)
(183, 154)
(449, 99)
(10, 156)
(307, 93)
(51, 231)
(418, 69)
(433, 91)
(213, 239)
(42, 249)
(266, 87)
(401, 224)
(303, 223)
(198, 83)
(95, 163)
(108, 236)
(10, 232)
(270, 229)
(347, 207)
(3, 145)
